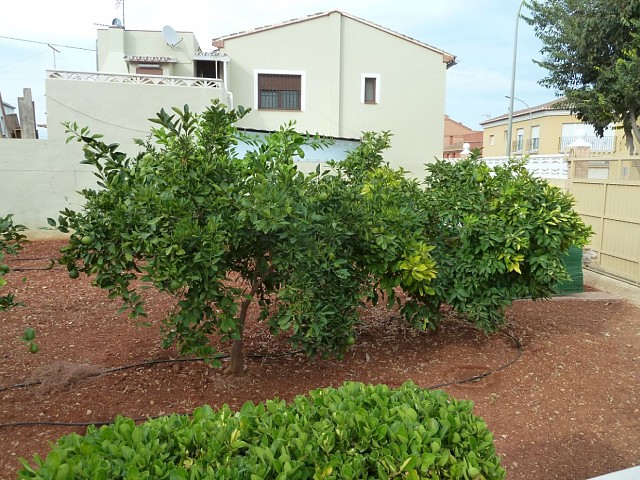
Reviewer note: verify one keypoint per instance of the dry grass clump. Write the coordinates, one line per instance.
(61, 375)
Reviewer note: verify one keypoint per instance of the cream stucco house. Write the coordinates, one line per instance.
(138, 73)
(546, 129)
(332, 73)
(339, 75)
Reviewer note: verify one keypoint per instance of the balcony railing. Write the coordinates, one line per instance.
(530, 145)
(137, 79)
(598, 144)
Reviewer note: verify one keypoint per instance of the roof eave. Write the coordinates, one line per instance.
(448, 58)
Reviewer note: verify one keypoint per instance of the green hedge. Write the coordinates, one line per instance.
(355, 431)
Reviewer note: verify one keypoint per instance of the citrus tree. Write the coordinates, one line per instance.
(499, 235)
(11, 240)
(190, 217)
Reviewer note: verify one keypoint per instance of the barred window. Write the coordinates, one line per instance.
(144, 69)
(279, 92)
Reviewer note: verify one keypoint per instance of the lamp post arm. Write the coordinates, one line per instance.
(513, 82)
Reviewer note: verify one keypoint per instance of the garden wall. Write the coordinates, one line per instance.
(607, 193)
(39, 178)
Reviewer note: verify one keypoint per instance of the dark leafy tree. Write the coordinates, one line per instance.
(590, 53)
(219, 232)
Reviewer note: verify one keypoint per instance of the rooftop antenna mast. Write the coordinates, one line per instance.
(54, 50)
(118, 3)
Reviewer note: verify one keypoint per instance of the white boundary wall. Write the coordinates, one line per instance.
(39, 178)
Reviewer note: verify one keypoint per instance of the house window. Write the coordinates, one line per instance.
(535, 139)
(519, 140)
(279, 91)
(370, 88)
(492, 139)
(143, 69)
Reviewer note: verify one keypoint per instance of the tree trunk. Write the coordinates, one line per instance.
(236, 359)
(236, 364)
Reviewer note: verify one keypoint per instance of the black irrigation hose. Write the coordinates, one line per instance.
(28, 269)
(30, 259)
(474, 378)
(157, 362)
(51, 266)
(480, 376)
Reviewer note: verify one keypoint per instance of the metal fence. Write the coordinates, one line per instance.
(598, 144)
(607, 194)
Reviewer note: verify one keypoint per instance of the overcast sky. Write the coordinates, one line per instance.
(480, 33)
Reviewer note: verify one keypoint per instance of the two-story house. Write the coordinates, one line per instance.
(339, 75)
(457, 136)
(546, 129)
(138, 73)
(332, 73)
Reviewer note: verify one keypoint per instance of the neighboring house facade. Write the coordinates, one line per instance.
(7, 109)
(456, 135)
(546, 129)
(167, 53)
(339, 75)
(139, 72)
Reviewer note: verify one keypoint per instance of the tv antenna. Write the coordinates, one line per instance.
(53, 50)
(118, 3)
(170, 36)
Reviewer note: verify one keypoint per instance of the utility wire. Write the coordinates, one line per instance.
(95, 118)
(6, 65)
(48, 43)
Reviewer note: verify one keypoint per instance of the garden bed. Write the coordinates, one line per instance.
(565, 405)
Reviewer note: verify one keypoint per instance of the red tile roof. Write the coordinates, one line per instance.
(447, 57)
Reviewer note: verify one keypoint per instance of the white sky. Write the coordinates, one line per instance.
(480, 33)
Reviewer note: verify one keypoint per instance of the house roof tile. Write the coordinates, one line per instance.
(448, 58)
(149, 59)
(556, 104)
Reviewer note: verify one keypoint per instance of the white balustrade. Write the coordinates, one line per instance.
(541, 166)
(136, 79)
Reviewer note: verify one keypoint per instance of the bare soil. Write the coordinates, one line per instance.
(567, 407)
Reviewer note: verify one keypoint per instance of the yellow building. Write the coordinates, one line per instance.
(546, 129)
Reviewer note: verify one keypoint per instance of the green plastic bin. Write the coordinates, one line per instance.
(573, 263)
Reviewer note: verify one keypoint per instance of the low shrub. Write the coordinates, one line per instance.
(355, 431)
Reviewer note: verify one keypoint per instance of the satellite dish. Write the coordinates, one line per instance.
(170, 36)
(116, 22)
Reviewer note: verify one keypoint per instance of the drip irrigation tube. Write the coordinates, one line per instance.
(474, 378)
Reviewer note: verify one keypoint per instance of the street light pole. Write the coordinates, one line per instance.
(530, 114)
(513, 81)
